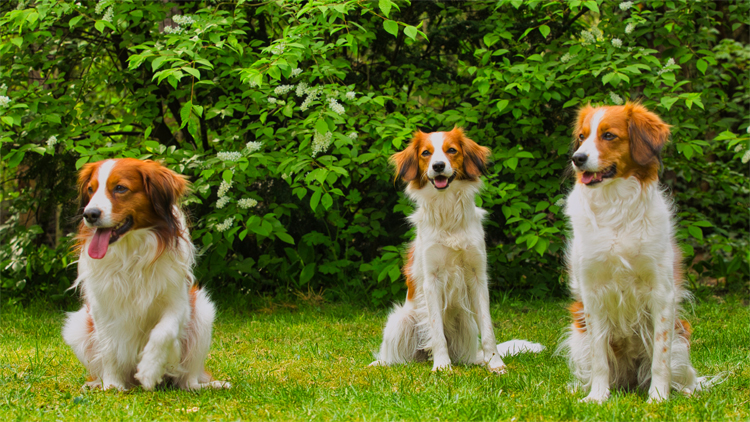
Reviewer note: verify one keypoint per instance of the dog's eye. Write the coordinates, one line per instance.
(580, 137)
(91, 190)
(425, 153)
(120, 189)
(608, 136)
(451, 151)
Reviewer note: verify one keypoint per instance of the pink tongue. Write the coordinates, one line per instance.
(100, 243)
(588, 177)
(441, 182)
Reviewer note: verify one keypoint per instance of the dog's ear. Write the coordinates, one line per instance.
(164, 188)
(476, 156)
(84, 177)
(648, 134)
(407, 161)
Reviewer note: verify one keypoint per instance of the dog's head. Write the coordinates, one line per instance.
(122, 195)
(440, 158)
(618, 142)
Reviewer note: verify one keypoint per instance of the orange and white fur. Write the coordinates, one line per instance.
(625, 267)
(143, 320)
(447, 304)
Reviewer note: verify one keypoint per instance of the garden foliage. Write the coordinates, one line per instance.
(283, 115)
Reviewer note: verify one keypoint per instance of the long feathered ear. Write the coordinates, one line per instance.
(84, 177)
(407, 161)
(648, 134)
(164, 188)
(476, 156)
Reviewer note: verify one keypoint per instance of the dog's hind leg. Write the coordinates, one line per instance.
(400, 337)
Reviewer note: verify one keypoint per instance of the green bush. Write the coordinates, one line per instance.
(283, 115)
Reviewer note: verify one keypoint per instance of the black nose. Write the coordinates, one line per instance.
(439, 166)
(92, 215)
(580, 159)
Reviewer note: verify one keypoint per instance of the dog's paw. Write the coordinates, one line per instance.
(219, 385)
(104, 385)
(497, 365)
(655, 397)
(597, 398)
(442, 365)
(378, 363)
(149, 375)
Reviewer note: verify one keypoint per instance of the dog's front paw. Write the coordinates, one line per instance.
(656, 396)
(104, 385)
(596, 397)
(149, 375)
(441, 364)
(497, 365)
(378, 363)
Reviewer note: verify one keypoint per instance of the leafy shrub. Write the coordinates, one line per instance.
(283, 115)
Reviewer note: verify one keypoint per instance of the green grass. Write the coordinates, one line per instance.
(310, 362)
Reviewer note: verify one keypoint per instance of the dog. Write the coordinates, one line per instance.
(143, 321)
(447, 301)
(625, 267)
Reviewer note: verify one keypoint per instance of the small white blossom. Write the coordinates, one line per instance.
(272, 100)
(312, 95)
(616, 42)
(278, 49)
(222, 202)
(183, 20)
(301, 89)
(560, 202)
(284, 176)
(109, 15)
(172, 30)
(615, 98)
(587, 37)
(629, 28)
(335, 106)
(670, 62)
(664, 69)
(283, 89)
(101, 6)
(321, 142)
(296, 72)
(353, 135)
(3, 87)
(626, 5)
(216, 140)
(246, 203)
(4, 101)
(224, 188)
(746, 157)
(225, 225)
(738, 148)
(78, 4)
(229, 156)
(254, 146)
(52, 141)
(597, 33)
(566, 58)
(351, 95)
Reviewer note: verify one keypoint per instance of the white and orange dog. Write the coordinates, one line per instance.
(447, 303)
(625, 267)
(143, 320)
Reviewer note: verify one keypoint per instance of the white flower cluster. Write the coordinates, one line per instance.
(353, 135)
(301, 89)
(183, 20)
(246, 203)
(52, 141)
(109, 14)
(566, 58)
(172, 30)
(224, 188)
(616, 42)
(222, 202)
(588, 38)
(312, 95)
(283, 89)
(626, 5)
(103, 4)
(296, 72)
(278, 49)
(746, 157)
(335, 106)
(225, 225)
(629, 28)
(229, 156)
(254, 146)
(670, 62)
(616, 98)
(252, 84)
(560, 202)
(284, 176)
(351, 95)
(321, 142)
(4, 101)
(272, 100)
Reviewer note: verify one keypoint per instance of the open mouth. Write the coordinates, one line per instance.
(588, 178)
(441, 182)
(105, 236)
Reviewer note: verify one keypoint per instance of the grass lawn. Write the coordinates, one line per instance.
(304, 361)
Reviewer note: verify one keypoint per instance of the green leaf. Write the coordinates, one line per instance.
(74, 21)
(307, 273)
(227, 175)
(391, 27)
(158, 61)
(696, 232)
(321, 126)
(284, 237)
(315, 199)
(327, 201)
(502, 104)
(491, 39)
(81, 161)
(410, 32)
(185, 113)
(544, 29)
(702, 65)
(385, 7)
